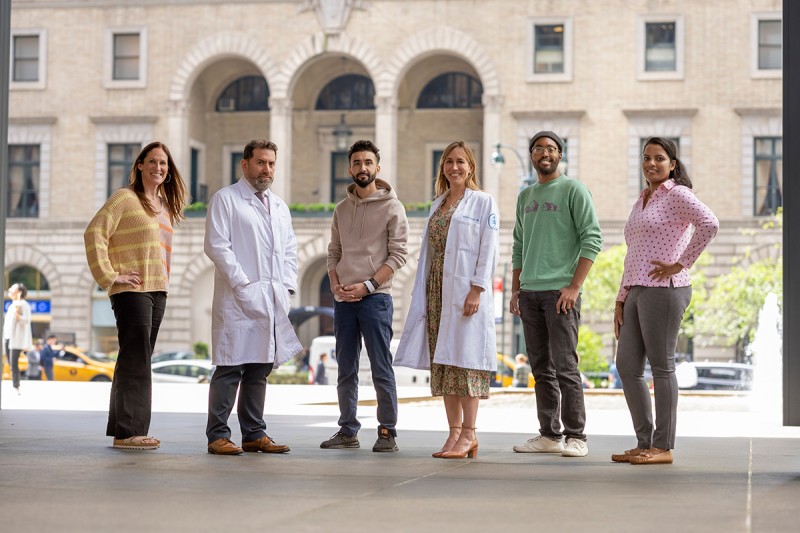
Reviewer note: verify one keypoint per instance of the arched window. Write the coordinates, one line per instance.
(351, 91)
(453, 90)
(29, 276)
(248, 93)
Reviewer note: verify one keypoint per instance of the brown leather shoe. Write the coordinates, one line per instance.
(653, 456)
(224, 446)
(626, 456)
(265, 444)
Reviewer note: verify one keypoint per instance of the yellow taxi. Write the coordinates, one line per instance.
(72, 364)
(505, 372)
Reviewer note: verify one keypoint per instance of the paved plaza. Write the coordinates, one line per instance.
(735, 469)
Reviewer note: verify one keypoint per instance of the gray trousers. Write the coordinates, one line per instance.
(251, 382)
(651, 321)
(551, 339)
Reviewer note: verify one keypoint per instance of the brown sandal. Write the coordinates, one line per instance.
(137, 443)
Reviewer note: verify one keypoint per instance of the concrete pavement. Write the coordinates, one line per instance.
(59, 473)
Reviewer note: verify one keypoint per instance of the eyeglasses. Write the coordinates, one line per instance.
(539, 150)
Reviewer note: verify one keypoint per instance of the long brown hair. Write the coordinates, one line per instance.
(172, 189)
(442, 185)
(678, 173)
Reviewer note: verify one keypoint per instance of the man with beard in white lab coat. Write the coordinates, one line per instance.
(249, 238)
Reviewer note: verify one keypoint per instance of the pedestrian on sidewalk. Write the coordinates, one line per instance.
(369, 235)
(129, 250)
(250, 240)
(17, 334)
(654, 292)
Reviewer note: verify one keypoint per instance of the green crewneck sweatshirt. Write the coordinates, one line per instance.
(556, 224)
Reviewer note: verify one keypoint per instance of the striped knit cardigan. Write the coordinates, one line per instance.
(123, 238)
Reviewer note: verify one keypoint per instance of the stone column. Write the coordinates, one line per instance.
(178, 134)
(492, 107)
(280, 132)
(386, 136)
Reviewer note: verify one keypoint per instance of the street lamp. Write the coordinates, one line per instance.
(341, 134)
(527, 176)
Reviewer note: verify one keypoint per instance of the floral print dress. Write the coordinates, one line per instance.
(446, 379)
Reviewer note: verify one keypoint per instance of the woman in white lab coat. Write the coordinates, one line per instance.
(450, 324)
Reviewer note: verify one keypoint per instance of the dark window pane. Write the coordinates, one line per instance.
(120, 162)
(453, 90)
(340, 177)
(23, 181)
(660, 52)
(29, 276)
(248, 93)
(769, 44)
(549, 49)
(768, 175)
(236, 166)
(26, 58)
(351, 91)
(126, 56)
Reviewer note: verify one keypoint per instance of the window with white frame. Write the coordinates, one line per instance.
(28, 48)
(660, 47)
(766, 37)
(126, 57)
(549, 55)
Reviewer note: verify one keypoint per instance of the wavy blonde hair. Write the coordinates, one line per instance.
(442, 185)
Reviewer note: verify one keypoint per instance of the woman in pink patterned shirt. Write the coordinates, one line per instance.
(654, 293)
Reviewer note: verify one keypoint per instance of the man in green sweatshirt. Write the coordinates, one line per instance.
(556, 240)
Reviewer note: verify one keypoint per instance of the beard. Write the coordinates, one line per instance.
(261, 182)
(364, 179)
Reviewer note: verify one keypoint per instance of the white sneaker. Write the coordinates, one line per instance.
(540, 444)
(575, 448)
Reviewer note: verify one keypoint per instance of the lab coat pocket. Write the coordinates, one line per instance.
(251, 301)
(461, 288)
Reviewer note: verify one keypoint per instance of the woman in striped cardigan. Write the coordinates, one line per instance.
(129, 249)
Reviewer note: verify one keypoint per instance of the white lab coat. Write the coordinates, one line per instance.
(471, 256)
(18, 330)
(254, 273)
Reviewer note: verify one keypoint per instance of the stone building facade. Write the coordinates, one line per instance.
(93, 81)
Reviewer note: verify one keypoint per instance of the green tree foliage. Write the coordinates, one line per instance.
(602, 284)
(732, 307)
(731, 311)
(589, 346)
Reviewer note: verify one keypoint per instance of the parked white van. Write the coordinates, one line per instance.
(327, 344)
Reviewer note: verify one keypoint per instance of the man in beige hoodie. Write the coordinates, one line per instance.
(369, 237)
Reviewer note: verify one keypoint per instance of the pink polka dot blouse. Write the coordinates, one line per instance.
(660, 231)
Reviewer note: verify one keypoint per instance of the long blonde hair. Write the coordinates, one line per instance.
(442, 185)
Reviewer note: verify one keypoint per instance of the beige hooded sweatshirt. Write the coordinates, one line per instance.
(366, 234)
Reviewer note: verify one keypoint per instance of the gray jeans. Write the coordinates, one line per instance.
(651, 320)
(552, 339)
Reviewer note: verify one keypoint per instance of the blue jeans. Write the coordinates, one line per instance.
(372, 319)
(552, 340)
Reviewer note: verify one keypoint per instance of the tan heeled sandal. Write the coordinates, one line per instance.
(438, 454)
(472, 453)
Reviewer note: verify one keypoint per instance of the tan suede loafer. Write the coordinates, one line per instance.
(652, 457)
(265, 445)
(224, 447)
(626, 456)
